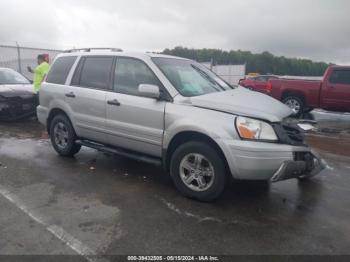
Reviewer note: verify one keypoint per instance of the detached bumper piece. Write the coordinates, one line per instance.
(306, 164)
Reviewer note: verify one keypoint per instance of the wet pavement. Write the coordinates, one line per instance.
(103, 204)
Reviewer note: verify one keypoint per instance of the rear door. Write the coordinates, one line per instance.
(336, 92)
(87, 96)
(134, 122)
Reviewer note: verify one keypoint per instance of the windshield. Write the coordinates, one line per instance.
(11, 77)
(190, 78)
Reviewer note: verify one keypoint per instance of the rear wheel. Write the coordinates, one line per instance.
(198, 171)
(295, 103)
(63, 136)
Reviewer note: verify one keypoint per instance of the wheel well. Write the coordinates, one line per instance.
(292, 93)
(54, 112)
(187, 136)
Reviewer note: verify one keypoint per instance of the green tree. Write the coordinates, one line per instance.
(264, 63)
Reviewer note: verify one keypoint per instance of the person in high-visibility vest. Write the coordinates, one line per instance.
(39, 72)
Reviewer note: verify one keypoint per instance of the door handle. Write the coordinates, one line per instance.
(113, 102)
(70, 94)
(331, 86)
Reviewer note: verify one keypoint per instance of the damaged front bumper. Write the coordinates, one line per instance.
(17, 107)
(306, 164)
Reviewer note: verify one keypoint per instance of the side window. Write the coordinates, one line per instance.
(94, 72)
(130, 73)
(60, 70)
(76, 77)
(340, 77)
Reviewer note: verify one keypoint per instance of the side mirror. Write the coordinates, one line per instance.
(151, 91)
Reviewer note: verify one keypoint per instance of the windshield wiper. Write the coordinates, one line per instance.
(211, 80)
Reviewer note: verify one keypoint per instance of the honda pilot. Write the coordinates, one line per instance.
(172, 112)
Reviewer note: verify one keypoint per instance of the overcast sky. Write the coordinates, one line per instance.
(315, 29)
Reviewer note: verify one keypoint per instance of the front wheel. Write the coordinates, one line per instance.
(295, 103)
(198, 171)
(63, 136)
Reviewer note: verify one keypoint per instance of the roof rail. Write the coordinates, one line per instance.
(89, 49)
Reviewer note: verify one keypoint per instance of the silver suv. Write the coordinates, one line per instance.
(172, 112)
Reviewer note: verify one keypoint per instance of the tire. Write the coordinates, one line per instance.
(295, 103)
(250, 88)
(184, 166)
(63, 136)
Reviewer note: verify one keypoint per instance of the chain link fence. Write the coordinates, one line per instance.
(20, 57)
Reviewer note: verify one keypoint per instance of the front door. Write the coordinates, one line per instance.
(134, 122)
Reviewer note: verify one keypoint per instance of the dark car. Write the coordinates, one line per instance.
(17, 96)
(257, 83)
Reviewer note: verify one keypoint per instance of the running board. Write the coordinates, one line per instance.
(121, 152)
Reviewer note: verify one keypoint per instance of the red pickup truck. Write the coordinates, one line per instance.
(332, 93)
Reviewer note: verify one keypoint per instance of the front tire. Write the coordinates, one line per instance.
(63, 136)
(198, 171)
(295, 103)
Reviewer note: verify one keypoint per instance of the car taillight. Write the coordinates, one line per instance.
(268, 87)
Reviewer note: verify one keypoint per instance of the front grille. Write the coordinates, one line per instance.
(289, 133)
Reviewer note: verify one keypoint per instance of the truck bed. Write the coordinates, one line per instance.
(308, 89)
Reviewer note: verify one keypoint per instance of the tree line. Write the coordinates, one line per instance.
(263, 63)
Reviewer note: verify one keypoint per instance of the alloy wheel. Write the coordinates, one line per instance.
(196, 172)
(61, 135)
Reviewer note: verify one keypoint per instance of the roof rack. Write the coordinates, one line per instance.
(89, 49)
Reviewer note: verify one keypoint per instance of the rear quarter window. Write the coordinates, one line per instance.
(60, 70)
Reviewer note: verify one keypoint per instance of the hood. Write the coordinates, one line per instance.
(241, 101)
(16, 90)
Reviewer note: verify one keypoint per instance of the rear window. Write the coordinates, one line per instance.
(60, 70)
(94, 72)
(340, 77)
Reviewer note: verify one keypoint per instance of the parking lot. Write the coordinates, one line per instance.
(96, 204)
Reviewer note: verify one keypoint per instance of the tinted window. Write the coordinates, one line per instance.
(95, 72)
(340, 77)
(130, 73)
(60, 70)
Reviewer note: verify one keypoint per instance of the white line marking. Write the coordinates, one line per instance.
(57, 231)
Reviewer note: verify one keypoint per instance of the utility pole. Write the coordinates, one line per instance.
(19, 58)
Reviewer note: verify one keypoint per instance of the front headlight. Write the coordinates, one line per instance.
(253, 129)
